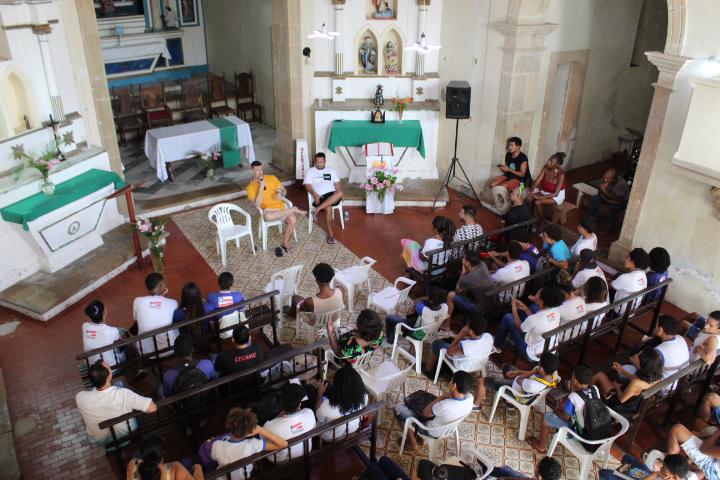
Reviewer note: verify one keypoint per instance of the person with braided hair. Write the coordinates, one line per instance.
(151, 465)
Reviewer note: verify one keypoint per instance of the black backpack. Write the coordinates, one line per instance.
(598, 421)
(188, 378)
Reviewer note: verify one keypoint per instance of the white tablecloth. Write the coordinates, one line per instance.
(169, 144)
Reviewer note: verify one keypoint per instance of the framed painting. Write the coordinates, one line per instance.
(188, 13)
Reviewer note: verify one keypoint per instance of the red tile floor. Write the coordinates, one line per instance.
(38, 358)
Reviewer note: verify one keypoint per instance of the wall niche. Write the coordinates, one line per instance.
(381, 9)
(392, 52)
(367, 52)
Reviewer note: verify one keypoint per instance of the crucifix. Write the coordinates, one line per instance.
(54, 124)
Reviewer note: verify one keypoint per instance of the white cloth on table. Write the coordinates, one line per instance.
(169, 144)
(135, 51)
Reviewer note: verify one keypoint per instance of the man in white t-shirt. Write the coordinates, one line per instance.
(673, 349)
(513, 270)
(472, 342)
(635, 280)
(573, 307)
(107, 401)
(97, 334)
(586, 268)
(292, 422)
(323, 183)
(447, 408)
(155, 311)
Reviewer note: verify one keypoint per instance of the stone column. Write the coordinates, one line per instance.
(420, 57)
(287, 88)
(43, 33)
(519, 80)
(338, 24)
(669, 66)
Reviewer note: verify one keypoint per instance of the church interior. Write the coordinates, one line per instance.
(362, 239)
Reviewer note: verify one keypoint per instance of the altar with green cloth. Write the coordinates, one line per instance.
(356, 133)
(69, 224)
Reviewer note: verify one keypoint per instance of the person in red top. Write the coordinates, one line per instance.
(549, 187)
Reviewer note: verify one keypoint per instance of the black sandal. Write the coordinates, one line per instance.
(330, 240)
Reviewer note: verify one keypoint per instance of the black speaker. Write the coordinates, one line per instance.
(457, 100)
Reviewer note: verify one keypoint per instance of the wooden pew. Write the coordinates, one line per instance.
(311, 459)
(499, 297)
(259, 311)
(171, 415)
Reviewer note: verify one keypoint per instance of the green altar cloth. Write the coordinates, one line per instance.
(228, 141)
(35, 206)
(356, 133)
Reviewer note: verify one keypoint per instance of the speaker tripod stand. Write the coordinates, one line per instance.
(451, 172)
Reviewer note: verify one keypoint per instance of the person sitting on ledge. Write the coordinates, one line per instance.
(271, 202)
(614, 192)
(323, 183)
(516, 169)
(549, 186)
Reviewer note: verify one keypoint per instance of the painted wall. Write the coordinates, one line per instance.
(239, 39)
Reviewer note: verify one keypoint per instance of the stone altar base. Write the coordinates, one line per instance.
(44, 295)
(415, 193)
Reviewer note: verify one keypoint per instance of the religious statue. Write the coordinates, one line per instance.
(368, 55)
(378, 100)
(391, 58)
(382, 9)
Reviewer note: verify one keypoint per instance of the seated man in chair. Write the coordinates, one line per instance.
(323, 184)
(271, 201)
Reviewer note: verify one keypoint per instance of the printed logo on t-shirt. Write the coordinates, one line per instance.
(642, 282)
(225, 301)
(327, 176)
(518, 268)
(551, 316)
(580, 309)
(244, 358)
(156, 304)
(297, 428)
(91, 333)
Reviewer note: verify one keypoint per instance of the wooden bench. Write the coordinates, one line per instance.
(559, 212)
(499, 298)
(260, 311)
(311, 460)
(173, 415)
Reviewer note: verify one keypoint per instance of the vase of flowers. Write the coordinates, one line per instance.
(153, 229)
(400, 104)
(380, 189)
(207, 160)
(44, 162)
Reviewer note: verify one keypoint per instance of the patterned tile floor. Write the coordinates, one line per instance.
(498, 440)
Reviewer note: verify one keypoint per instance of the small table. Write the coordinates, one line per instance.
(170, 144)
(584, 189)
(356, 133)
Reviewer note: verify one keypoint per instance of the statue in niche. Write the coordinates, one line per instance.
(368, 55)
(391, 58)
(382, 9)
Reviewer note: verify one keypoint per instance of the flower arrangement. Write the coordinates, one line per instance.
(399, 104)
(153, 230)
(207, 159)
(382, 181)
(43, 162)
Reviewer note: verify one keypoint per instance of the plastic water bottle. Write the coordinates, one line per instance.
(346, 216)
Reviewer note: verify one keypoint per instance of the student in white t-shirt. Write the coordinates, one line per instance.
(585, 268)
(241, 443)
(106, 401)
(573, 307)
(633, 281)
(472, 342)
(526, 325)
(571, 413)
(97, 334)
(513, 270)
(447, 408)
(673, 348)
(524, 382)
(346, 395)
(588, 239)
(323, 184)
(291, 422)
(155, 311)
(595, 293)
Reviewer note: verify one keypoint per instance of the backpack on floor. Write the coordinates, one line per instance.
(598, 421)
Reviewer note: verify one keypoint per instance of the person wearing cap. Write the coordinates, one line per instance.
(183, 356)
(586, 268)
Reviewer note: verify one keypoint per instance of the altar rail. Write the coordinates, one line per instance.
(259, 311)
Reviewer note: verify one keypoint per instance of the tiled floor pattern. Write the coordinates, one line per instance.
(498, 439)
(189, 175)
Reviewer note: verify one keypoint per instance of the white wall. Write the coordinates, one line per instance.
(239, 39)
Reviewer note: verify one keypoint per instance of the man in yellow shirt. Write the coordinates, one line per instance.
(271, 201)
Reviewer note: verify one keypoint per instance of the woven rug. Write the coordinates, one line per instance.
(497, 439)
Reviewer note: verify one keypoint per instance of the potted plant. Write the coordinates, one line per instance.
(399, 104)
(44, 162)
(153, 229)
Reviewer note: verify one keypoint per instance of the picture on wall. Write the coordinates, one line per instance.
(188, 12)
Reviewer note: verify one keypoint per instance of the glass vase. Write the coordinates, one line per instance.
(400, 114)
(48, 188)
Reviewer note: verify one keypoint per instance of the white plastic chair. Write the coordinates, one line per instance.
(264, 225)
(316, 323)
(571, 441)
(434, 435)
(389, 298)
(227, 230)
(487, 463)
(354, 276)
(286, 281)
(468, 364)
(311, 209)
(431, 334)
(359, 363)
(511, 396)
(386, 377)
